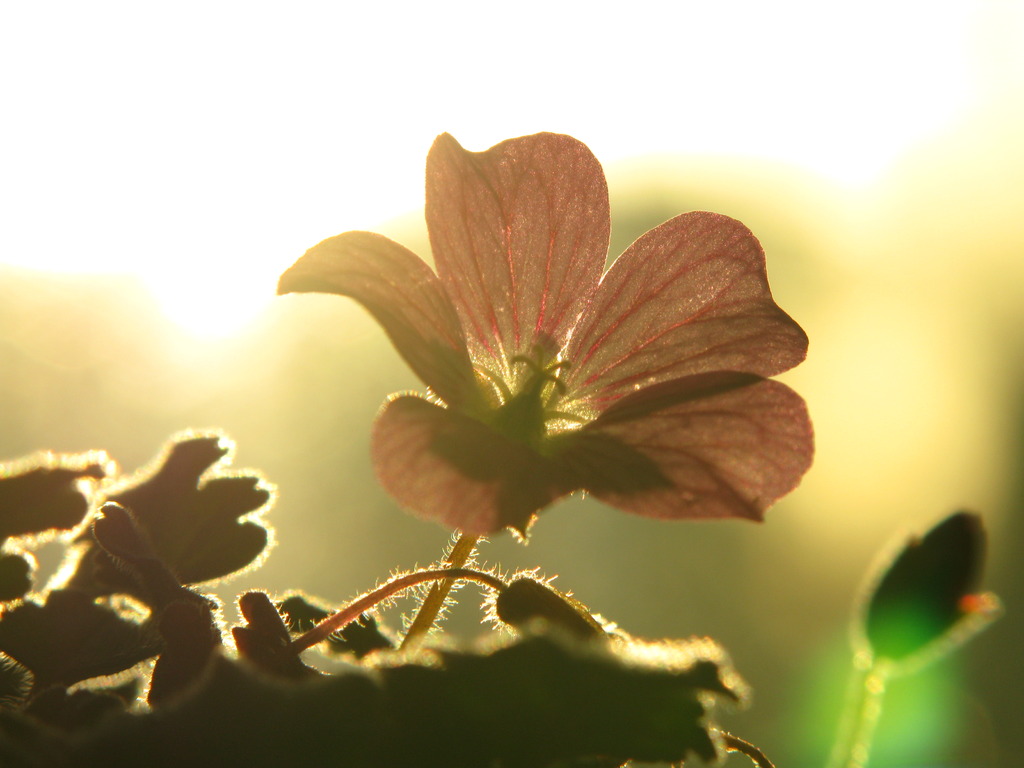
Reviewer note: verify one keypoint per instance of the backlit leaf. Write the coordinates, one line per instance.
(190, 511)
(41, 493)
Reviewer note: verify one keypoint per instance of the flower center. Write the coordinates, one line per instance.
(528, 412)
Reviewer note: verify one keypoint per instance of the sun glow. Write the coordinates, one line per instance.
(205, 150)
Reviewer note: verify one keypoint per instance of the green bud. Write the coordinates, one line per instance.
(526, 600)
(927, 589)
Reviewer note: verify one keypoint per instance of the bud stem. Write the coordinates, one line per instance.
(861, 715)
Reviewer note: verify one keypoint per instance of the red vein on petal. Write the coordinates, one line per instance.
(708, 306)
(459, 285)
(547, 285)
(488, 302)
(678, 243)
(614, 324)
(513, 288)
(653, 372)
(411, 303)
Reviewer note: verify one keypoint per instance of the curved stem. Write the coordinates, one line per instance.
(860, 717)
(434, 600)
(736, 744)
(355, 609)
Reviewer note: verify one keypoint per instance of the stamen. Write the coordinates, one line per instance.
(497, 381)
(549, 372)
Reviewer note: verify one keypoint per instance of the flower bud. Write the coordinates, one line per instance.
(926, 591)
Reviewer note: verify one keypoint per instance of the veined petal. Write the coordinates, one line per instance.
(520, 237)
(453, 470)
(715, 445)
(691, 296)
(404, 296)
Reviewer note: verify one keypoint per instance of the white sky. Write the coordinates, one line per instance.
(205, 145)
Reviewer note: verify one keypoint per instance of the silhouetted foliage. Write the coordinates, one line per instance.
(189, 509)
(41, 494)
(363, 636)
(535, 702)
(70, 638)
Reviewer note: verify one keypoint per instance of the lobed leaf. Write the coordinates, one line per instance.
(43, 493)
(190, 515)
(126, 544)
(361, 637)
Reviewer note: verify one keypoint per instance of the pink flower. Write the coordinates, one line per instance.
(644, 386)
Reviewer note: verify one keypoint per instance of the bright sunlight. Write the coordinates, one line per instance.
(198, 149)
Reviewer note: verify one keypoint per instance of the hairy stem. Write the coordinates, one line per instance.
(736, 744)
(434, 600)
(353, 610)
(860, 716)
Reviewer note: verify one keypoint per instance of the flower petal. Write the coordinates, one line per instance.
(404, 296)
(716, 445)
(520, 237)
(690, 296)
(451, 469)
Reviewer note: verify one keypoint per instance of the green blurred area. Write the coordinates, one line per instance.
(912, 293)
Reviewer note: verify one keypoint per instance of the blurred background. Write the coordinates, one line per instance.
(161, 165)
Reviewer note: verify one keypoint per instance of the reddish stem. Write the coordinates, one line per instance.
(355, 609)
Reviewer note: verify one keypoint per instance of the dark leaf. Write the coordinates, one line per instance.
(71, 638)
(360, 637)
(126, 544)
(241, 717)
(540, 701)
(190, 514)
(71, 711)
(15, 575)
(40, 494)
(25, 742)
